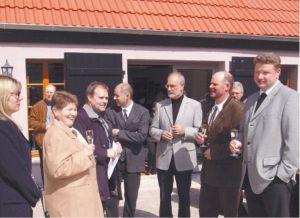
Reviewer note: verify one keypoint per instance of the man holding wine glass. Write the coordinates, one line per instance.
(221, 173)
(91, 124)
(174, 126)
(269, 140)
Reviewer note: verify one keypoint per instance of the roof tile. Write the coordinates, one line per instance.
(260, 17)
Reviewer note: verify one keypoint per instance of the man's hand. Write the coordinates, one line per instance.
(207, 154)
(200, 138)
(235, 146)
(111, 153)
(178, 131)
(119, 148)
(115, 132)
(166, 135)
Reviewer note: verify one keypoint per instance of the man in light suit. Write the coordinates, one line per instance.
(130, 124)
(174, 126)
(270, 139)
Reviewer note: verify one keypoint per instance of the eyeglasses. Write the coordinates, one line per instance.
(16, 94)
(170, 86)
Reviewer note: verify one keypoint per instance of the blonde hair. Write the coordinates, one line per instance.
(8, 85)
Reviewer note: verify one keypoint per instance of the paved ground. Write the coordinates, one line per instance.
(148, 199)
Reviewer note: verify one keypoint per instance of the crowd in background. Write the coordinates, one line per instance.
(249, 148)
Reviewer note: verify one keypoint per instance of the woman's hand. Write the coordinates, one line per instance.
(89, 149)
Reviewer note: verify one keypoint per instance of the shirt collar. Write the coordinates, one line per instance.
(221, 105)
(128, 108)
(268, 91)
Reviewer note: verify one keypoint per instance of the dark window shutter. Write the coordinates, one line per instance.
(83, 68)
(242, 69)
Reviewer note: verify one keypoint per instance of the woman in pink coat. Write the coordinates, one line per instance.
(69, 166)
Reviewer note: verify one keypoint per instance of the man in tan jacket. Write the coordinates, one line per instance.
(39, 120)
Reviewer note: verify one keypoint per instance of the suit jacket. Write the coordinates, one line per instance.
(223, 170)
(184, 150)
(71, 188)
(132, 134)
(16, 184)
(88, 119)
(37, 121)
(270, 137)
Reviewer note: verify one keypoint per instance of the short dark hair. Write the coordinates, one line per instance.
(91, 89)
(268, 58)
(61, 99)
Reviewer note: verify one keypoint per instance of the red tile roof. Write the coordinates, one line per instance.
(249, 17)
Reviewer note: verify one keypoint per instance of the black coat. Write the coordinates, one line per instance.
(18, 191)
(132, 134)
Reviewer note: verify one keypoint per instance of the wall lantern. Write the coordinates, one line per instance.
(7, 69)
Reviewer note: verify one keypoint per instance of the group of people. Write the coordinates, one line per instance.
(252, 146)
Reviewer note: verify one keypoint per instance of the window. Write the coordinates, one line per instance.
(39, 73)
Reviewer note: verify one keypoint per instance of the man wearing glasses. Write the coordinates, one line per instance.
(40, 118)
(174, 126)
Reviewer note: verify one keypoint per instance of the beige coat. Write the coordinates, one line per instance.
(70, 176)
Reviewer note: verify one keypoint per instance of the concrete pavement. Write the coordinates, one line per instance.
(148, 198)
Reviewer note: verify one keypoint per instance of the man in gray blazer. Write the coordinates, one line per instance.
(130, 124)
(174, 126)
(270, 141)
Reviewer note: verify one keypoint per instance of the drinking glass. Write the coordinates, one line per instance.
(89, 136)
(171, 132)
(203, 130)
(234, 133)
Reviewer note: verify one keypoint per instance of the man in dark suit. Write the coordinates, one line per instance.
(221, 173)
(129, 124)
(270, 138)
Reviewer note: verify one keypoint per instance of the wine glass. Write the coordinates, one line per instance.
(234, 133)
(89, 136)
(171, 132)
(203, 130)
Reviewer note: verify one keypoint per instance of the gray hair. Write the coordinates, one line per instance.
(238, 84)
(50, 86)
(179, 75)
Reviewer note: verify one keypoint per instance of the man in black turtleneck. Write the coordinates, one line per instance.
(174, 126)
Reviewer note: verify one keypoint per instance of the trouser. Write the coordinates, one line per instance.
(218, 200)
(274, 201)
(111, 207)
(131, 189)
(183, 181)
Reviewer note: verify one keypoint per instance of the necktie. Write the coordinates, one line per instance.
(213, 115)
(125, 114)
(260, 100)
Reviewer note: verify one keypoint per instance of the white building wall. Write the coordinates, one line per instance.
(217, 59)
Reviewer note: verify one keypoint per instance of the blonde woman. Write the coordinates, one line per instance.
(69, 166)
(18, 192)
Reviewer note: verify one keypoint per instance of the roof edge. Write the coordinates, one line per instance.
(58, 28)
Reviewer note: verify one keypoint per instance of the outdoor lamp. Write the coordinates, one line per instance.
(7, 69)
